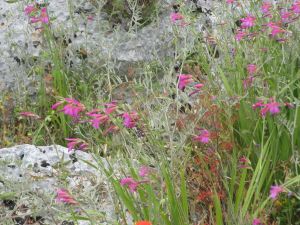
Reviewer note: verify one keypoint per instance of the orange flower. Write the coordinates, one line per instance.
(144, 222)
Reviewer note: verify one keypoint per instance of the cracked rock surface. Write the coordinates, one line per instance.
(30, 176)
(21, 45)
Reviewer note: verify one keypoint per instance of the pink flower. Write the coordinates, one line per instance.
(176, 16)
(62, 195)
(251, 68)
(296, 7)
(197, 87)
(98, 119)
(203, 137)
(184, 79)
(265, 8)
(56, 105)
(271, 107)
(248, 21)
(130, 183)
(144, 171)
(44, 16)
(259, 104)
(34, 19)
(256, 221)
(29, 114)
(73, 108)
(130, 119)
(29, 9)
(73, 142)
(230, 1)
(285, 17)
(110, 107)
(275, 29)
(275, 191)
(240, 35)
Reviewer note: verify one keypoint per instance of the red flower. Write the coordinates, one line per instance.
(143, 222)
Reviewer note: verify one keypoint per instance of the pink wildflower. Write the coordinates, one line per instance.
(271, 107)
(98, 119)
(184, 79)
(198, 87)
(62, 195)
(248, 21)
(265, 8)
(275, 191)
(110, 107)
(130, 183)
(44, 16)
(203, 137)
(29, 114)
(130, 119)
(73, 142)
(34, 19)
(285, 17)
(144, 171)
(73, 108)
(296, 7)
(251, 68)
(56, 105)
(275, 29)
(240, 35)
(259, 104)
(29, 9)
(256, 221)
(230, 1)
(176, 16)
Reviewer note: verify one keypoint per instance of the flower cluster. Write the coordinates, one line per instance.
(186, 79)
(131, 183)
(96, 117)
(276, 28)
(72, 108)
(271, 107)
(37, 14)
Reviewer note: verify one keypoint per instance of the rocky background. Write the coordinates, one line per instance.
(86, 26)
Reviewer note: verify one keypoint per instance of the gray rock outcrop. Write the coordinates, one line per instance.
(30, 176)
